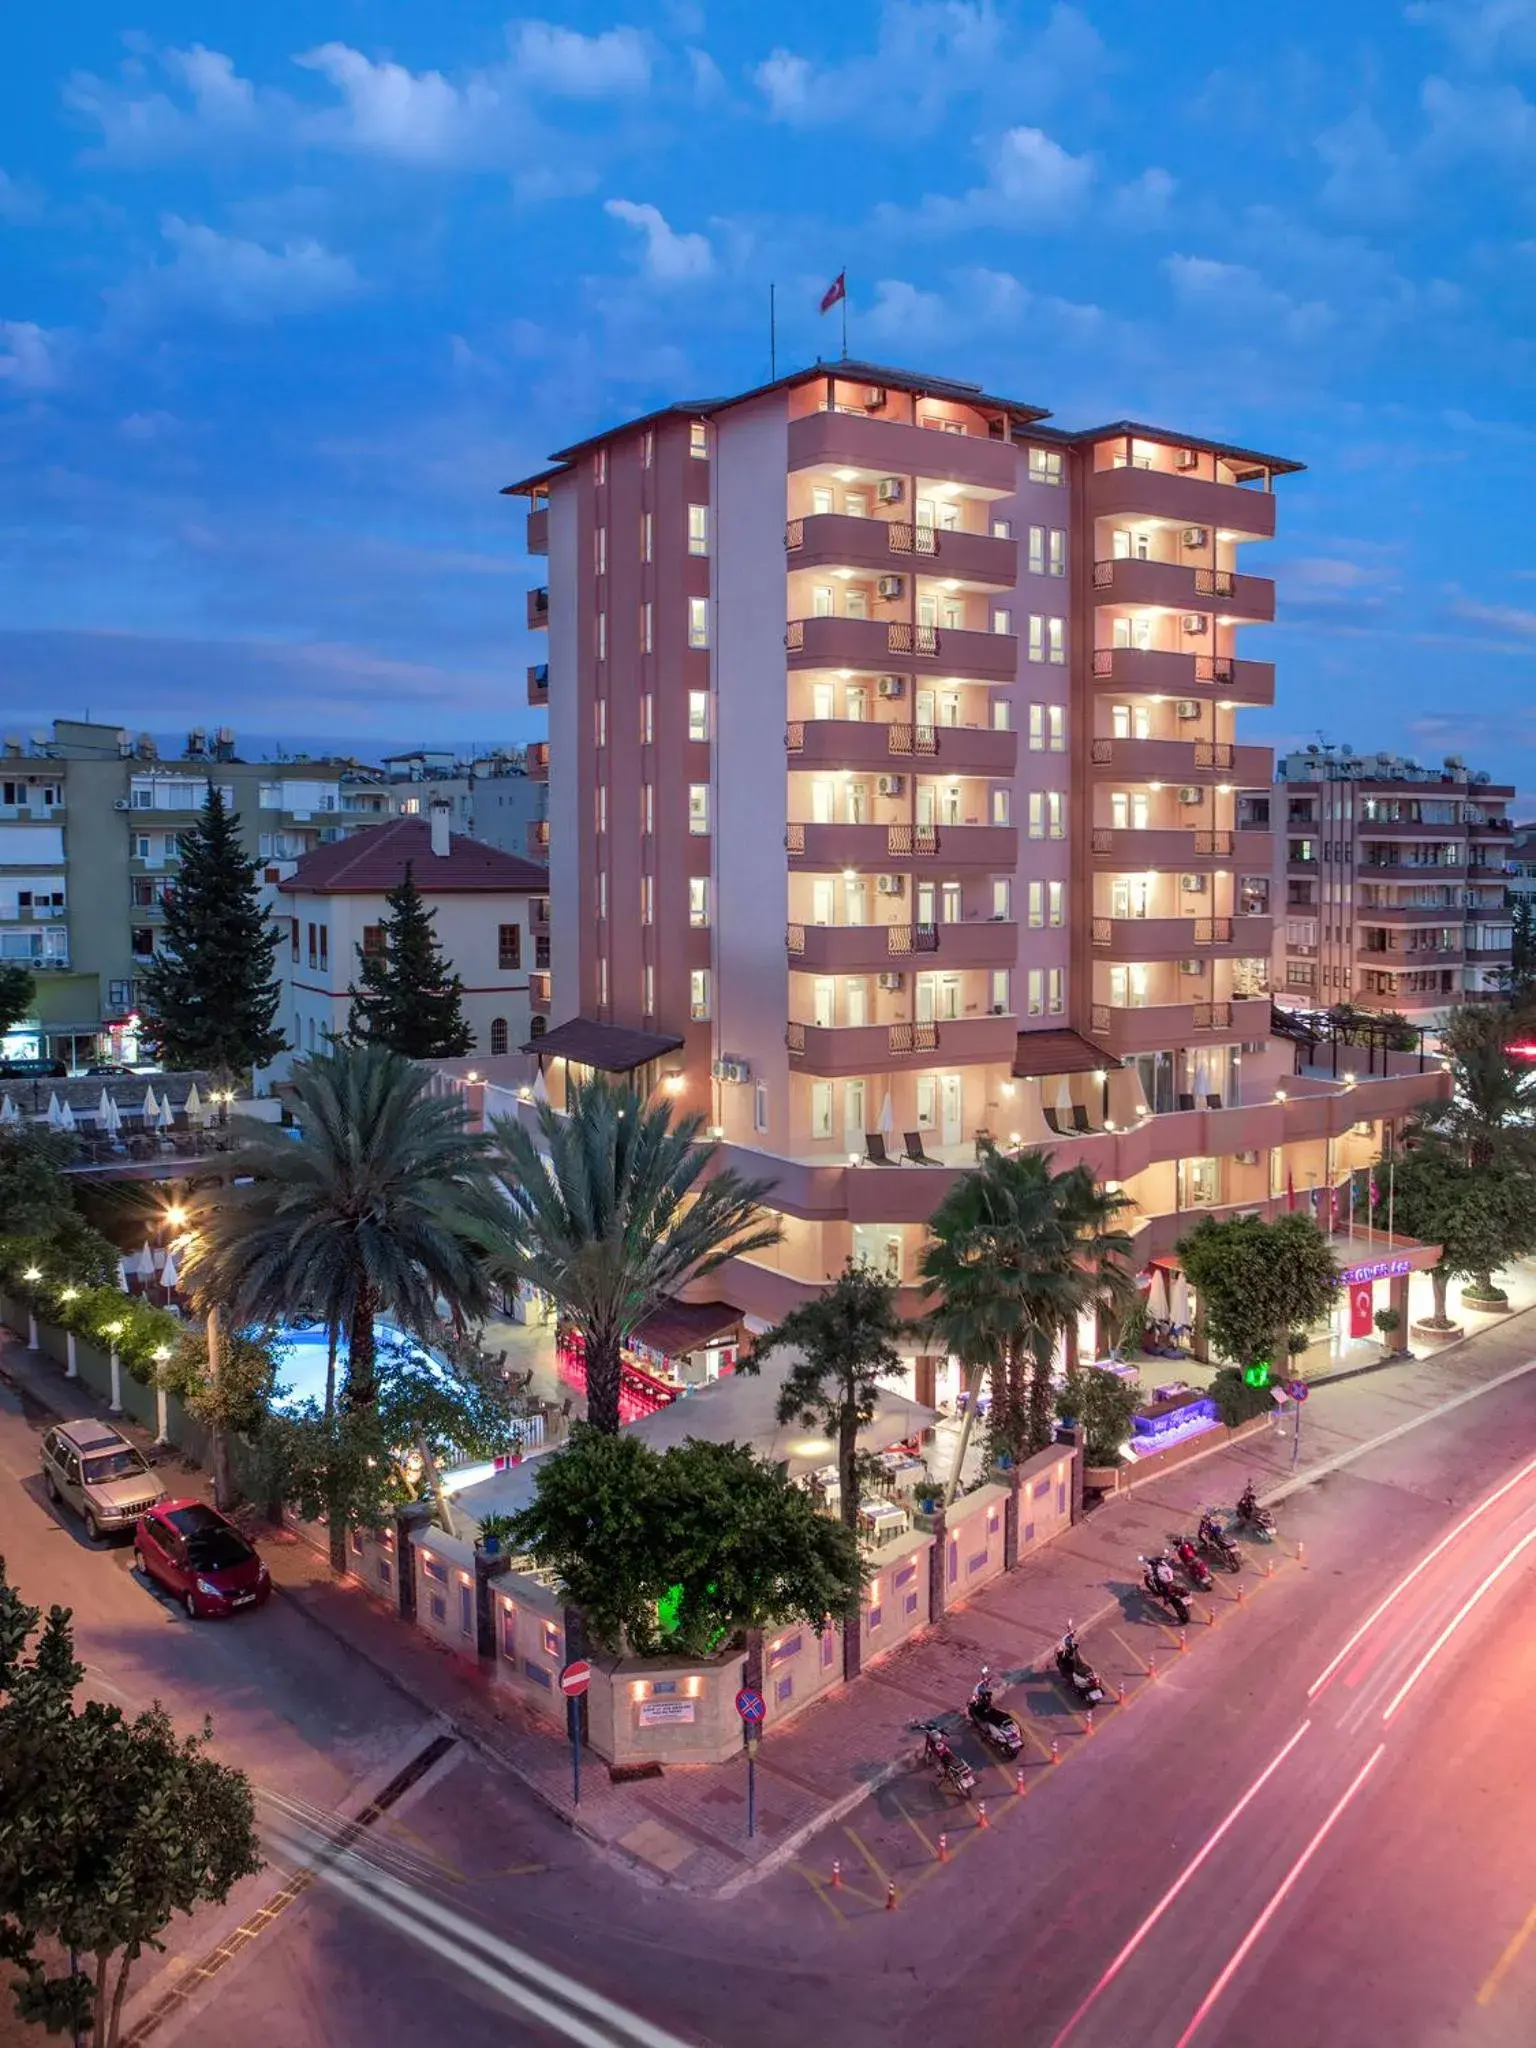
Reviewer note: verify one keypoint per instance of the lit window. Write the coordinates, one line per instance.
(698, 622)
(645, 627)
(600, 550)
(600, 721)
(648, 1000)
(1037, 551)
(647, 719)
(1036, 637)
(647, 808)
(1002, 619)
(1002, 898)
(760, 1107)
(1057, 901)
(1056, 720)
(698, 808)
(698, 900)
(1002, 806)
(1045, 465)
(698, 439)
(647, 529)
(1053, 994)
(698, 714)
(647, 448)
(1036, 1003)
(602, 807)
(602, 636)
(698, 529)
(1053, 812)
(1057, 560)
(1000, 991)
(1002, 529)
(1036, 906)
(821, 1109)
(698, 994)
(1036, 724)
(1056, 639)
(1036, 814)
(600, 466)
(647, 899)
(602, 981)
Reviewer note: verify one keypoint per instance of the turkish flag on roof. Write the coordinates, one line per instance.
(837, 289)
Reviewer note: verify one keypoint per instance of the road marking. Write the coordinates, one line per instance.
(1036, 1738)
(819, 1887)
(1506, 1962)
(1454, 1623)
(515, 1870)
(912, 1824)
(869, 1856)
(1136, 1659)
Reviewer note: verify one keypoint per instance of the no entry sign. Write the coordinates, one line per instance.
(575, 1678)
(749, 1704)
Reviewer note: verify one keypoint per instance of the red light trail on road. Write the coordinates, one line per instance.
(1453, 1624)
(1423, 1565)
(1245, 1947)
(1178, 1885)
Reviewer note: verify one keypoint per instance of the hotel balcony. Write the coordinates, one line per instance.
(1180, 588)
(995, 847)
(1408, 913)
(1156, 1027)
(833, 1049)
(537, 542)
(1151, 671)
(538, 840)
(880, 644)
(1183, 761)
(866, 948)
(1180, 938)
(1128, 851)
(538, 608)
(843, 440)
(868, 743)
(538, 916)
(538, 684)
(536, 759)
(540, 991)
(1183, 498)
(839, 540)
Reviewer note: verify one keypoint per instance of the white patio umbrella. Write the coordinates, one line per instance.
(1202, 1084)
(167, 1115)
(122, 1275)
(111, 1115)
(143, 1262)
(104, 1110)
(194, 1104)
(1064, 1102)
(1178, 1302)
(887, 1122)
(66, 1117)
(9, 1113)
(168, 1273)
(151, 1107)
(540, 1087)
(55, 1114)
(1157, 1298)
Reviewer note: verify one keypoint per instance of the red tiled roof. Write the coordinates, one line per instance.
(674, 1328)
(1038, 1053)
(375, 860)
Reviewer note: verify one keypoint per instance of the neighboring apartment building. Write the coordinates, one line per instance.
(1393, 880)
(90, 820)
(1520, 866)
(896, 790)
(491, 919)
(501, 797)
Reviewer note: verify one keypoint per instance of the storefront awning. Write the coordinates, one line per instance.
(1039, 1053)
(611, 1048)
(677, 1327)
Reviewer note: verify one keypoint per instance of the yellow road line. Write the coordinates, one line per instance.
(819, 1887)
(869, 1856)
(517, 1870)
(912, 1824)
(1035, 1737)
(1506, 1962)
(1134, 1655)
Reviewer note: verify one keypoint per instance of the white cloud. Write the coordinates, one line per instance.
(559, 60)
(1366, 176)
(1481, 31)
(29, 356)
(18, 201)
(1463, 121)
(1234, 292)
(1032, 182)
(1145, 201)
(708, 80)
(243, 280)
(907, 316)
(972, 302)
(669, 256)
(418, 117)
(216, 105)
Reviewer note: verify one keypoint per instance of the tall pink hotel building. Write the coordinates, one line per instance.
(897, 805)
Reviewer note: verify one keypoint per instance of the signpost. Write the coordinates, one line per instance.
(751, 1707)
(574, 1680)
(1298, 1393)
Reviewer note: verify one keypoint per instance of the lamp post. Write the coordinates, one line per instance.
(31, 1276)
(71, 1368)
(162, 1360)
(114, 1331)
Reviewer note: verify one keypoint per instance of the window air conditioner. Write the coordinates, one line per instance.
(889, 490)
(892, 982)
(119, 803)
(1197, 537)
(891, 885)
(889, 586)
(1187, 458)
(891, 686)
(1192, 885)
(1246, 1158)
(1188, 708)
(891, 785)
(1191, 793)
(1191, 967)
(874, 397)
(1195, 622)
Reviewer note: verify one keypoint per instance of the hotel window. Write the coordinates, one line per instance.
(698, 809)
(1056, 827)
(602, 636)
(698, 714)
(1037, 551)
(600, 721)
(926, 1095)
(1002, 898)
(602, 807)
(1056, 728)
(498, 1034)
(647, 718)
(602, 981)
(647, 533)
(821, 500)
(698, 439)
(647, 899)
(600, 550)
(1056, 639)
(1002, 715)
(600, 466)
(698, 900)
(1037, 728)
(1036, 814)
(698, 529)
(1002, 619)
(312, 946)
(1000, 992)
(602, 892)
(645, 626)
(1053, 991)
(647, 809)
(648, 982)
(698, 994)
(509, 946)
(1056, 557)
(760, 1107)
(1002, 806)
(1037, 906)
(1057, 897)
(1036, 1000)
(1036, 637)
(698, 622)
(821, 1109)
(647, 447)
(1002, 529)
(1045, 465)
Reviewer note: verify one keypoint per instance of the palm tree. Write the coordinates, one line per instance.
(613, 1207)
(1491, 1111)
(1015, 1254)
(377, 1208)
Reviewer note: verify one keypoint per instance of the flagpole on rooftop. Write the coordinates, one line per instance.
(773, 336)
(845, 314)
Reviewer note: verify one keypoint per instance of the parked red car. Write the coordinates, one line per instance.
(201, 1557)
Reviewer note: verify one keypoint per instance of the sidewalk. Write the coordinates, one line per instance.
(688, 1827)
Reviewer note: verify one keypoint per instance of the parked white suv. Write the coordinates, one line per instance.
(103, 1477)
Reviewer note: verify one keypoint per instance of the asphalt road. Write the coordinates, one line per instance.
(1227, 1859)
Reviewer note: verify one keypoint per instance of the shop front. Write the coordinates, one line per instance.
(680, 1346)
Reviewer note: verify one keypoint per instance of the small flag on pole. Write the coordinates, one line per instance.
(1290, 1191)
(836, 290)
(1375, 1191)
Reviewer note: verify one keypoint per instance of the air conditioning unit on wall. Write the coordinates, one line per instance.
(890, 586)
(889, 490)
(891, 885)
(1196, 537)
(1191, 793)
(891, 686)
(890, 785)
(1195, 622)
(892, 983)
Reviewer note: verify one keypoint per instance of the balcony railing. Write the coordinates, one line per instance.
(903, 638)
(537, 761)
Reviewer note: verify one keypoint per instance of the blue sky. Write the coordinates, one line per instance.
(287, 292)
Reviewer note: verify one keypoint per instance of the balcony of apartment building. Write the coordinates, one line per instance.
(34, 945)
(538, 839)
(1169, 570)
(840, 619)
(536, 761)
(1180, 761)
(1184, 487)
(1180, 673)
(869, 846)
(1410, 856)
(892, 437)
(537, 538)
(1152, 1027)
(1200, 849)
(899, 744)
(1377, 945)
(1179, 938)
(538, 684)
(853, 922)
(25, 800)
(538, 608)
(837, 1050)
(856, 524)
(538, 916)
(540, 992)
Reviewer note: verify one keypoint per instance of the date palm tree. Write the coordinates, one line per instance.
(372, 1209)
(1016, 1254)
(612, 1207)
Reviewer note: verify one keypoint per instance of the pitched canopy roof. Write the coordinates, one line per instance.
(371, 862)
(1058, 1052)
(611, 1048)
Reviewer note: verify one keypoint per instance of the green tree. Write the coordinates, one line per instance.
(1480, 1216)
(613, 1207)
(1520, 980)
(17, 989)
(845, 1341)
(210, 994)
(1016, 1254)
(375, 1210)
(721, 1540)
(408, 997)
(108, 1829)
(1258, 1281)
(1102, 1405)
(1491, 1112)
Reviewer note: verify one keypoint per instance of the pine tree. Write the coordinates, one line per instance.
(410, 998)
(210, 992)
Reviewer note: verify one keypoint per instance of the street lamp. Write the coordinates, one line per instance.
(32, 1273)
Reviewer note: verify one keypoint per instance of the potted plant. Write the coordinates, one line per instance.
(493, 1532)
(1389, 1322)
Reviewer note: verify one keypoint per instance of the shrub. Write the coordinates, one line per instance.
(1104, 1405)
(1237, 1401)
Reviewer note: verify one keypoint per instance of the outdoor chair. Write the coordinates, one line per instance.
(1080, 1121)
(1186, 1102)
(914, 1144)
(874, 1149)
(1213, 1102)
(1053, 1121)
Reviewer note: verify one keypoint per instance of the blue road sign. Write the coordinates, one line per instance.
(750, 1705)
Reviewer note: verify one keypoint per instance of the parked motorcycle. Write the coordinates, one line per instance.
(1215, 1540)
(952, 1770)
(1077, 1674)
(989, 1720)
(1161, 1584)
(1251, 1516)
(1196, 1570)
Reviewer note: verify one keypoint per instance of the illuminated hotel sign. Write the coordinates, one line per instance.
(1376, 1269)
